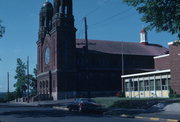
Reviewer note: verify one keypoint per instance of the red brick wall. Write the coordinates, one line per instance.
(162, 63)
(175, 67)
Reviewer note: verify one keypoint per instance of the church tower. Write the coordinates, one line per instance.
(65, 33)
(57, 50)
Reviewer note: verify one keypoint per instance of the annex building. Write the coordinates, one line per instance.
(158, 83)
(66, 68)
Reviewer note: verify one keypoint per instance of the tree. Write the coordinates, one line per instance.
(163, 15)
(21, 83)
(2, 29)
(10, 96)
(33, 83)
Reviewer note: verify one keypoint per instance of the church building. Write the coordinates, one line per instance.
(67, 69)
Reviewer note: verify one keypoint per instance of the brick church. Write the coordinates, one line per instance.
(66, 69)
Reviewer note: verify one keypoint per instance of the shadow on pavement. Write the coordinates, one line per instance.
(47, 113)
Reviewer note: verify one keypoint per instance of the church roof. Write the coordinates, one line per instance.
(118, 47)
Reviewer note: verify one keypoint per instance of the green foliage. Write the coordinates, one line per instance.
(108, 101)
(163, 15)
(33, 85)
(136, 103)
(20, 76)
(2, 100)
(2, 29)
(173, 94)
(22, 81)
(9, 96)
(176, 43)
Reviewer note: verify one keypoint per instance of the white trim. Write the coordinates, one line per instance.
(170, 43)
(146, 73)
(179, 54)
(161, 56)
(44, 73)
(54, 71)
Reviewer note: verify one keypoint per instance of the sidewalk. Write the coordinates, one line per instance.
(36, 104)
(159, 112)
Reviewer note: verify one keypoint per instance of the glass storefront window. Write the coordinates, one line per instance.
(158, 84)
(151, 85)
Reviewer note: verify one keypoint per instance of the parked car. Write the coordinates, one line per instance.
(85, 105)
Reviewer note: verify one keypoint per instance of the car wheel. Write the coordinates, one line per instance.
(70, 109)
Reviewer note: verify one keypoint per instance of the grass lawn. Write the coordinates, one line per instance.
(118, 102)
(108, 101)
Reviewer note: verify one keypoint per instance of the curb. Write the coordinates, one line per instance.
(61, 108)
(149, 118)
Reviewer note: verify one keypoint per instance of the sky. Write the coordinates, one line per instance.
(107, 20)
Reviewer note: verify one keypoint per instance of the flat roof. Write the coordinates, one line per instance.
(146, 73)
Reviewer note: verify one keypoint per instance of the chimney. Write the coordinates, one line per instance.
(143, 37)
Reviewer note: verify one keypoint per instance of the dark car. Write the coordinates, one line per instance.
(85, 105)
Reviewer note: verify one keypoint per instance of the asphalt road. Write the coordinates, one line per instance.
(38, 114)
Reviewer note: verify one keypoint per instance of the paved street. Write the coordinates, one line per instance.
(40, 114)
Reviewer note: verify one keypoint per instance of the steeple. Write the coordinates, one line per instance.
(56, 6)
(143, 36)
(63, 7)
(46, 15)
(63, 14)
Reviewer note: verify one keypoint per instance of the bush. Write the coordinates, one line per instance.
(136, 104)
(10, 96)
(173, 94)
(120, 94)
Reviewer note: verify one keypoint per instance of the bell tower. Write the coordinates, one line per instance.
(63, 6)
(64, 35)
(57, 50)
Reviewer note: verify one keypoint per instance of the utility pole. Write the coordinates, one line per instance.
(7, 86)
(86, 44)
(28, 79)
(86, 58)
(122, 66)
(86, 32)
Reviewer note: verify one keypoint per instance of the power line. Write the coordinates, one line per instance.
(98, 7)
(105, 24)
(92, 11)
(111, 17)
